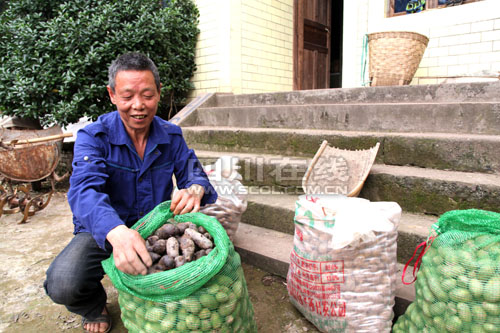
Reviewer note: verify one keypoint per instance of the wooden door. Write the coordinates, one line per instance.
(312, 22)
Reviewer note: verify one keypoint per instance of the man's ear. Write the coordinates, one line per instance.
(111, 95)
(159, 90)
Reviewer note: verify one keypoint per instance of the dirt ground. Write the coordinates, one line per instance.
(26, 250)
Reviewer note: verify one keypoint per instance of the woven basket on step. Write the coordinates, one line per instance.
(394, 56)
(338, 171)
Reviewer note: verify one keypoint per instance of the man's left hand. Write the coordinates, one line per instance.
(187, 200)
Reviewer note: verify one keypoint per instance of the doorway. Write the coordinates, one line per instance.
(317, 48)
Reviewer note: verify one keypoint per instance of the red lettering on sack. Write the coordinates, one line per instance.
(300, 235)
(312, 199)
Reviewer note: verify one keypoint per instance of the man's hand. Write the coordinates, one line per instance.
(187, 200)
(129, 250)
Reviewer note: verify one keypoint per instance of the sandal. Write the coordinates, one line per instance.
(103, 318)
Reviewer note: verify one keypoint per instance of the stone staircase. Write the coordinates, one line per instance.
(439, 151)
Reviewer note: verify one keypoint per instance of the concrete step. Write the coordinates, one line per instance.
(456, 117)
(445, 151)
(276, 212)
(458, 92)
(417, 190)
(270, 250)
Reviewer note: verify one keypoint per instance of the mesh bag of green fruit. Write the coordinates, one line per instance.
(458, 284)
(204, 292)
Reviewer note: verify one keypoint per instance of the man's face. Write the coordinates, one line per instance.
(136, 99)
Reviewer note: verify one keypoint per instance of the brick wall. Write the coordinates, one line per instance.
(244, 46)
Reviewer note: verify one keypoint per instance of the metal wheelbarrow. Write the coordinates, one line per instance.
(28, 156)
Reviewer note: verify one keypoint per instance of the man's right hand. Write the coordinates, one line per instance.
(129, 250)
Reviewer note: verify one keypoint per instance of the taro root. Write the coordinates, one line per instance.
(168, 261)
(152, 239)
(199, 254)
(179, 261)
(172, 245)
(154, 256)
(187, 247)
(160, 246)
(182, 227)
(166, 231)
(200, 240)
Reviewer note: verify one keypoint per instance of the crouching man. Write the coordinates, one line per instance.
(122, 168)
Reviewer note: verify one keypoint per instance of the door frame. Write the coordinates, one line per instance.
(298, 44)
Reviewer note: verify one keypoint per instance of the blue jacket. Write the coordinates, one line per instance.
(111, 185)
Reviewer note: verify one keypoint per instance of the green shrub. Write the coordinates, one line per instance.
(54, 54)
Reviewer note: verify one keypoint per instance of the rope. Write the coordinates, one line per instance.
(364, 57)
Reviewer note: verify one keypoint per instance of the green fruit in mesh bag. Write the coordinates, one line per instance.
(168, 322)
(427, 294)
(492, 290)
(182, 314)
(155, 314)
(152, 327)
(191, 304)
(140, 313)
(478, 313)
(221, 297)
(495, 320)
(216, 320)
(209, 301)
(426, 309)
(463, 281)
(448, 284)
(486, 269)
(171, 307)
(439, 323)
(416, 318)
(460, 295)
(181, 326)
(237, 324)
(491, 308)
(238, 288)
(227, 308)
(213, 289)
(467, 259)
(137, 300)
(193, 322)
(205, 313)
(206, 325)
(224, 280)
(128, 306)
(436, 289)
(476, 288)
(453, 324)
(476, 328)
(412, 328)
(491, 328)
(464, 312)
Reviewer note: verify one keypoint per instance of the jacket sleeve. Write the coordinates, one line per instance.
(188, 171)
(89, 203)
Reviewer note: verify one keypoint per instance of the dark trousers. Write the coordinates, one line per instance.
(74, 277)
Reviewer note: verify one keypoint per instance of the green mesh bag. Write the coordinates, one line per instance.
(206, 295)
(458, 284)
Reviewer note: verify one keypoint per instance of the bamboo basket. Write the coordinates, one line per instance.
(338, 171)
(394, 56)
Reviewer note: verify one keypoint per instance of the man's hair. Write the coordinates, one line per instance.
(132, 61)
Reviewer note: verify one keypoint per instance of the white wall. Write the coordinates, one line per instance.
(464, 41)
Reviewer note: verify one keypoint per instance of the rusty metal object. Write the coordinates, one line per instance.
(27, 156)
